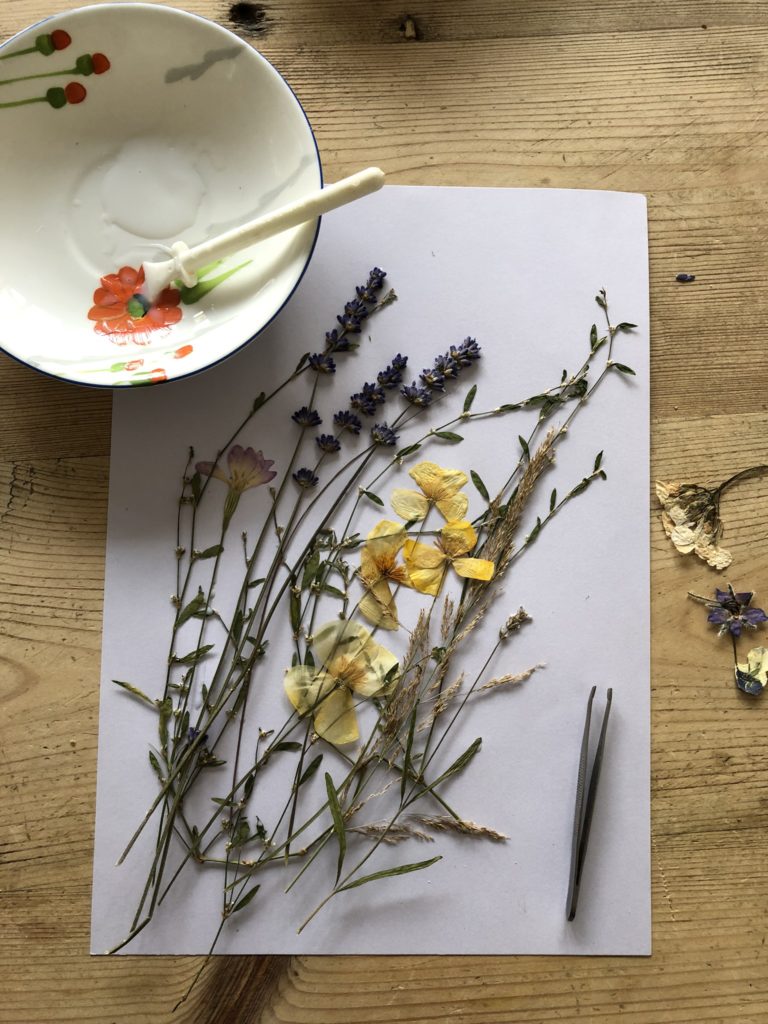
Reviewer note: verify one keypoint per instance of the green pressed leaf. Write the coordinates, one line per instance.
(449, 436)
(210, 552)
(245, 900)
(624, 326)
(338, 822)
(241, 834)
(258, 401)
(333, 591)
(598, 460)
(470, 398)
(463, 760)
(195, 605)
(404, 869)
(155, 765)
(593, 337)
(510, 407)
(301, 362)
(256, 583)
(407, 763)
(136, 692)
(165, 708)
(310, 770)
(600, 300)
(195, 484)
(194, 656)
(553, 500)
(580, 487)
(311, 566)
(534, 532)
(309, 658)
(237, 625)
(287, 745)
(524, 446)
(624, 369)
(248, 786)
(409, 450)
(295, 609)
(479, 485)
(373, 497)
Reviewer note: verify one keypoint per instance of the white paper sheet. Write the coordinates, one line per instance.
(518, 270)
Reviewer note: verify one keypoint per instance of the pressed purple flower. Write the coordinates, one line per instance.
(432, 379)
(306, 417)
(421, 397)
(328, 443)
(466, 353)
(392, 375)
(305, 478)
(365, 401)
(354, 313)
(247, 468)
(367, 292)
(193, 733)
(383, 435)
(447, 366)
(321, 362)
(348, 421)
(731, 612)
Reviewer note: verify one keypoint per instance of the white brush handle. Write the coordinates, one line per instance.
(187, 261)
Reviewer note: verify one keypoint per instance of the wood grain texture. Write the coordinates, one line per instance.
(601, 94)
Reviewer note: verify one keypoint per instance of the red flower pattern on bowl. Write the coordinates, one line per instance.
(122, 312)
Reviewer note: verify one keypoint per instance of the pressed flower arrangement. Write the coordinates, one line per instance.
(381, 554)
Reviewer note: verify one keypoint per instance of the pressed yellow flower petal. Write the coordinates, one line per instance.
(426, 566)
(474, 568)
(335, 718)
(428, 580)
(340, 638)
(454, 507)
(369, 568)
(382, 664)
(436, 482)
(385, 539)
(409, 505)
(306, 687)
(458, 538)
(378, 606)
(421, 556)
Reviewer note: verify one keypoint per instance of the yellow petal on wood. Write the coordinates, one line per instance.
(335, 718)
(436, 482)
(756, 664)
(458, 538)
(474, 568)
(409, 505)
(454, 507)
(378, 606)
(385, 539)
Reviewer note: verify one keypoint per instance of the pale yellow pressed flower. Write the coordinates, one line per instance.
(439, 487)
(351, 662)
(427, 565)
(379, 567)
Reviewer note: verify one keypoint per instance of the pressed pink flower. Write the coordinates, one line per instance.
(247, 468)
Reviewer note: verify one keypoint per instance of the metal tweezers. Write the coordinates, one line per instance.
(585, 803)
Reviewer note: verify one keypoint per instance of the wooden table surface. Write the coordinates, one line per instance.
(666, 98)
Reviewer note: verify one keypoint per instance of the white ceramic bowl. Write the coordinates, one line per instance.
(125, 127)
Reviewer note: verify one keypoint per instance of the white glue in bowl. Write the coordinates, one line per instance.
(128, 127)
